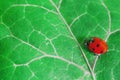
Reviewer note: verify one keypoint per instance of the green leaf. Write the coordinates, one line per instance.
(35, 43)
(97, 18)
(43, 39)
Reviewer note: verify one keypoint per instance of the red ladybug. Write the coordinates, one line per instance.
(97, 45)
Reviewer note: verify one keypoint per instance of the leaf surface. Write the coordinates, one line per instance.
(35, 43)
(43, 39)
(97, 18)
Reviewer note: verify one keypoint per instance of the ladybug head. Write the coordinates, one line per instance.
(88, 41)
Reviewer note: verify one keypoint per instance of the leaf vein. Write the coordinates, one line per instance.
(68, 27)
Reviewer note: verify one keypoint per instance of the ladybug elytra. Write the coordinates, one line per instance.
(97, 45)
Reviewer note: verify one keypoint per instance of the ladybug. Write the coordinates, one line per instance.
(96, 45)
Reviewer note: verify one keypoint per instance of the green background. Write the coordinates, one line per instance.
(37, 41)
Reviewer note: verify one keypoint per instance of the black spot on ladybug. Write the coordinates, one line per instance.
(97, 45)
(93, 49)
